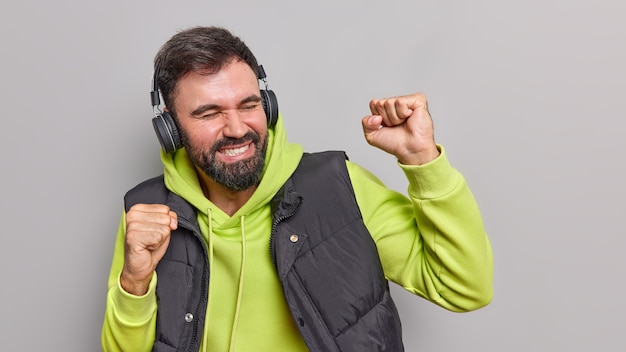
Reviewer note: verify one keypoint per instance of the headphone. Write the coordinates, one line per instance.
(165, 126)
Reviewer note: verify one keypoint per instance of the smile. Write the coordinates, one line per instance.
(236, 151)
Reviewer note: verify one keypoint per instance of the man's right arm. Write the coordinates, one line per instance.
(129, 321)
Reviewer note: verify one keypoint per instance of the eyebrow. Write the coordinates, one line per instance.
(202, 108)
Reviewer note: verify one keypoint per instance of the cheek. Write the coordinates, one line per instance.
(259, 124)
(201, 136)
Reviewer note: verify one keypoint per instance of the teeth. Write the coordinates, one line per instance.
(236, 151)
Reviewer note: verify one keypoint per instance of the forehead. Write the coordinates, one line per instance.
(234, 81)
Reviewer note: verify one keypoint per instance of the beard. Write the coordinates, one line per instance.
(237, 176)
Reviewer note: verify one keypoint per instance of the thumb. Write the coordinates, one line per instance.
(371, 126)
(173, 220)
(371, 123)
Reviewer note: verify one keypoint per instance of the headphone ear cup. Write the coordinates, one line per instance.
(270, 106)
(167, 132)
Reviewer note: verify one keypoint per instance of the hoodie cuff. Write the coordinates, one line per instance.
(131, 309)
(434, 179)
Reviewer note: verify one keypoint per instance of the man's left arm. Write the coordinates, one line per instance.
(432, 243)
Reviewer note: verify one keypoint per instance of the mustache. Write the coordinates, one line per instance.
(226, 142)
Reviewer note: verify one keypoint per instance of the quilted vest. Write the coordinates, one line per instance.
(325, 258)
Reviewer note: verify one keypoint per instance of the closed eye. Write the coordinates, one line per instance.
(250, 107)
(210, 115)
(208, 111)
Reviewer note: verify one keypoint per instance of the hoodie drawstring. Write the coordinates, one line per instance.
(210, 223)
(240, 289)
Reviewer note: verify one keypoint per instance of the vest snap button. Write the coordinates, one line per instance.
(189, 317)
(293, 238)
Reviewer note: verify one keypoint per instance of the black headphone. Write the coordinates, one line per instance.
(166, 129)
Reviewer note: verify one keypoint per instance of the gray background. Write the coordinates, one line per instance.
(527, 97)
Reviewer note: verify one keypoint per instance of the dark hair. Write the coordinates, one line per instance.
(199, 49)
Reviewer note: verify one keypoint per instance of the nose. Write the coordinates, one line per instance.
(234, 126)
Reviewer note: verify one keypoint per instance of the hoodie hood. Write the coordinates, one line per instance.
(281, 160)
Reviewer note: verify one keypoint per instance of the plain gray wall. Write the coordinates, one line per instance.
(527, 97)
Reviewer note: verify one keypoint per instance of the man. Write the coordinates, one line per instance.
(248, 244)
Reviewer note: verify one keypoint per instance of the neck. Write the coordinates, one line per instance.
(227, 200)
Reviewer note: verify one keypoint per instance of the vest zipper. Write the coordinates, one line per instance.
(203, 287)
(274, 225)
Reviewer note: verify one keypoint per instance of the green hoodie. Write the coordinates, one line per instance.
(432, 243)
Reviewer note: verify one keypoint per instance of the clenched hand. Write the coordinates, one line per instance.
(148, 229)
(402, 126)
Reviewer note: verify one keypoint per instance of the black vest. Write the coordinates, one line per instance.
(325, 258)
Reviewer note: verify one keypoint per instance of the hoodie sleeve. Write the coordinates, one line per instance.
(129, 321)
(433, 242)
